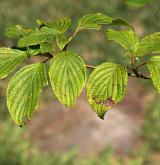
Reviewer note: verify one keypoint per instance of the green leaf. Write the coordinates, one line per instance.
(93, 21)
(154, 68)
(46, 47)
(14, 31)
(60, 25)
(62, 41)
(126, 38)
(17, 31)
(9, 60)
(24, 90)
(106, 87)
(149, 44)
(33, 52)
(67, 75)
(121, 21)
(43, 35)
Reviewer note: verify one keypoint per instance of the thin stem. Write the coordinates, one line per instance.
(140, 76)
(133, 60)
(142, 64)
(73, 36)
(75, 33)
(46, 60)
(90, 66)
(46, 55)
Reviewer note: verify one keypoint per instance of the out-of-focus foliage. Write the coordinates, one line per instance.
(15, 151)
(152, 126)
(137, 3)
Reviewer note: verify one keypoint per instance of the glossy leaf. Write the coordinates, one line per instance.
(24, 90)
(154, 68)
(67, 75)
(126, 38)
(9, 60)
(106, 87)
(43, 35)
(93, 21)
(149, 44)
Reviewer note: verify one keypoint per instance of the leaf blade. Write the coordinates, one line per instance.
(93, 21)
(60, 25)
(23, 92)
(154, 69)
(9, 60)
(126, 38)
(106, 86)
(67, 75)
(121, 22)
(149, 44)
(43, 35)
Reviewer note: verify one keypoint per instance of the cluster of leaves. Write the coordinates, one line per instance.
(106, 84)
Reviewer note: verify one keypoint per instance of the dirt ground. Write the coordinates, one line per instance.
(56, 128)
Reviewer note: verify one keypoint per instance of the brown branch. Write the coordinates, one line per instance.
(133, 60)
(49, 55)
(140, 76)
(135, 71)
(142, 64)
(46, 60)
(45, 55)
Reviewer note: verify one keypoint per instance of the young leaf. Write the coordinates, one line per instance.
(62, 41)
(60, 25)
(46, 47)
(67, 75)
(24, 90)
(93, 21)
(106, 87)
(14, 31)
(43, 35)
(126, 38)
(154, 68)
(121, 21)
(33, 52)
(9, 60)
(149, 44)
